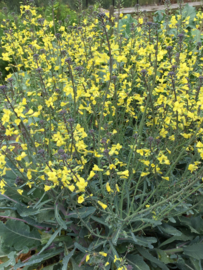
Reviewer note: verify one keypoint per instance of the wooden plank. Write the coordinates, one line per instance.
(152, 8)
(155, 8)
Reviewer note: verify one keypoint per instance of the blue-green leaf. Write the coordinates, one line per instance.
(66, 260)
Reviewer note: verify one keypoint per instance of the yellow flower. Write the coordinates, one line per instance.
(2, 184)
(140, 20)
(87, 258)
(46, 188)
(192, 167)
(81, 184)
(29, 184)
(108, 188)
(144, 174)
(172, 138)
(96, 168)
(124, 173)
(81, 199)
(71, 187)
(104, 206)
(92, 174)
(103, 253)
(117, 259)
(20, 191)
(166, 178)
(117, 187)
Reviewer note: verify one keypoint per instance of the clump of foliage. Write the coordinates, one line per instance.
(59, 11)
(104, 168)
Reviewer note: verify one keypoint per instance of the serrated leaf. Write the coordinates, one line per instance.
(144, 241)
(82, 212)
(137, 262)
(194, 251)
(66, 260)
(17, 235)
(151, 258)
(168, 229)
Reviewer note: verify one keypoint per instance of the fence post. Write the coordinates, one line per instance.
(111, 14)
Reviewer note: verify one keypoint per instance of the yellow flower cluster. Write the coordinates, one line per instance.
(78, 95)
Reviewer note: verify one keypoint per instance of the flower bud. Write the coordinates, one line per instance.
(144, 72)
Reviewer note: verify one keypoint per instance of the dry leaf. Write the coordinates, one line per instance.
(23, 257)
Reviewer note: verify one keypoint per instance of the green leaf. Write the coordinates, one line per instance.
(82, 212)
(95, 244)
(147, 220)
(39, 258)
(168, 229)
(144, 241)
(115, 253)
(36, 205)
(24, 211)
(194, 223)
(81, 248)
(75, 266)
(194, 251)
(17, 235)
(189, 11)
(100, 220)
(162, 255)
(116, 235)
(182, 237)
(127, 23)
(60, 221)
(54, 235)
(196, 34)
(137, 262)
(32, 222)
(66, 260)
(181, 264)
(55, 266)
(45, 216)
(196, 263)
(151, 258)
(9, 260)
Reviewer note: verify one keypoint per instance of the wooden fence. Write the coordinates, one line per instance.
(130, 3)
